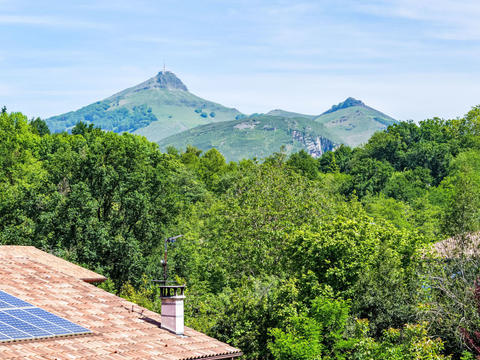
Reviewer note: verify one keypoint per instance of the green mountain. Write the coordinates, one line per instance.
(156, 108)
(164, 111)
(289, 114)
(256, 136)
(352, 122)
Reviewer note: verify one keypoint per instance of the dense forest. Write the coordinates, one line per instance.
(290, 257)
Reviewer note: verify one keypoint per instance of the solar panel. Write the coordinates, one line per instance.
(34, 320)
(3, 337)
(12, 300)
(73, 328)
(3, 304)
(21, 320)
(12, 333)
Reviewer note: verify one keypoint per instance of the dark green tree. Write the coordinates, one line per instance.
(304, 163)
(39, 126)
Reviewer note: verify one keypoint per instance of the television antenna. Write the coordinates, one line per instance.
(164, 261)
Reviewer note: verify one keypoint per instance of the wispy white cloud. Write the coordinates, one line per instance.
(50, 21)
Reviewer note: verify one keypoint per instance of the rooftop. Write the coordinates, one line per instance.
(461, 245)
(120, 329)
(60, 265)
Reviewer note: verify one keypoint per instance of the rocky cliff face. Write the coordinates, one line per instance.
(316, 145)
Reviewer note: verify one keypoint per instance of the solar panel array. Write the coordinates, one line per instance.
(20, 320)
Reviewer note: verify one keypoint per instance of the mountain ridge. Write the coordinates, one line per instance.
(156, 108)
(289, 114)
(163, 108)
(257, 136)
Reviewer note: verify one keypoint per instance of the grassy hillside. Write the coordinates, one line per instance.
(352, 122)
(162, 107)
(156, 108)
(177, 111)
(289, 114)
(257, 136)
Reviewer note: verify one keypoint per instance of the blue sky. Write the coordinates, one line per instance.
(412, 59)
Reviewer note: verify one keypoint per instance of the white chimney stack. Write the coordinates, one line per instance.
(172, 308)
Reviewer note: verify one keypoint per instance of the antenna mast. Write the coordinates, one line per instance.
(164, 261)
(164, 69)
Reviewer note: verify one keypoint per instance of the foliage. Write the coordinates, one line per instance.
(311, 334)
(323, 333)
(410, 343)
(472, 338)
(280, 257)
(97, 198)
(39, 126)
(305, 164)
(146, 295)
(103, 114)
(449, 300)
(462, 189)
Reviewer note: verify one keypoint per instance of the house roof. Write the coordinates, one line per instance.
(60, 265)
(120, 329)
(457, 246)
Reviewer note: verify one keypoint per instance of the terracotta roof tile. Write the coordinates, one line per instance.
(461, 245)
(118, 332)
(44, 258)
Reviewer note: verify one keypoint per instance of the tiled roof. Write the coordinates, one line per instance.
(121, 329)
(55, 262)
(458, 246)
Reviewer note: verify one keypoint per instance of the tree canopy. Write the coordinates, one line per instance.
(287, 258)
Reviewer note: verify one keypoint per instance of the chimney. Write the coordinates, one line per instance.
(172, 308)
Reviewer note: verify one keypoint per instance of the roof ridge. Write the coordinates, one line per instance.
(51, 260)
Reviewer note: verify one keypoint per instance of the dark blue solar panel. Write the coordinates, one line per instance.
(12, 300)
(13, 333)
(57, 320)
(23, 326)
(21, 320)
(4, 305)
(41, 323)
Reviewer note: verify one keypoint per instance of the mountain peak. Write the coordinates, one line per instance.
(163, 80)
(349, 102)
(168, 80)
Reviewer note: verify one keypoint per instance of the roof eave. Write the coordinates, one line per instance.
(219, 357)
(94, 280)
